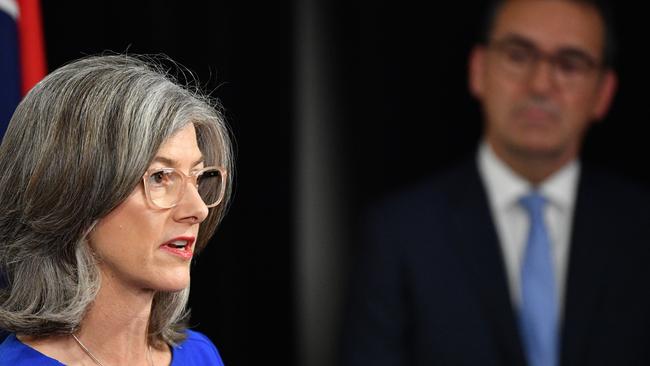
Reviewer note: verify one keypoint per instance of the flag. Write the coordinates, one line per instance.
(22, 53)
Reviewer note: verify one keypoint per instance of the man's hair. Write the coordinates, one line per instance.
(603, 8)
(76, 147)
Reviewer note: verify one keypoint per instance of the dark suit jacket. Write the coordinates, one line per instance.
(429, 286)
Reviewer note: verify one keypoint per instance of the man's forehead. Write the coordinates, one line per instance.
(552, 24)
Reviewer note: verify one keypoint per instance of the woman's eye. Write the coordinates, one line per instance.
(159, 178)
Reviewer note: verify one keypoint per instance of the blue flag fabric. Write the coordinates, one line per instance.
(9, 62)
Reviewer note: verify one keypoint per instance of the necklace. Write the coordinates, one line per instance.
(90, 354)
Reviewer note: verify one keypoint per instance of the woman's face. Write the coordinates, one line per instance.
(139, 245)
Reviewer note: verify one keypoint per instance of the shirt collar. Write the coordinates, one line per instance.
(505, 187)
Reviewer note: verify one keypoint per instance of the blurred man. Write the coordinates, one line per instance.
(521, 255)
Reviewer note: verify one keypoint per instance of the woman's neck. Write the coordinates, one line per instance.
(114, 330)
(115, 327)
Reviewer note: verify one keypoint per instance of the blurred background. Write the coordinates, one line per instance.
(332, 105)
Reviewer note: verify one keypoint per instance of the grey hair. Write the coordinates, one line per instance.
(75, 148)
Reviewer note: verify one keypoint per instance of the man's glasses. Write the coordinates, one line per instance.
(570, 67)
(164, 187)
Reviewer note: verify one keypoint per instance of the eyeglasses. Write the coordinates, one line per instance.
(570, 67)
(164, 187)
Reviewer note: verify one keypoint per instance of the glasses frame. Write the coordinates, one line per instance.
(194, 175)
(537, 56)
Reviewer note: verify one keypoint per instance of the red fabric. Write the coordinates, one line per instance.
(32, 46)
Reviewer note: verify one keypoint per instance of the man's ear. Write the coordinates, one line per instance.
(476, 71)
(605, 94)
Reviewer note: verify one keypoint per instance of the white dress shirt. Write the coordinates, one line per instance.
(504, 189)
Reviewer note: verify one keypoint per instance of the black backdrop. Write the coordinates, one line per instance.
(404, 112)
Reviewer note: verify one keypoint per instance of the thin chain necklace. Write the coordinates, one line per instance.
(90, 354)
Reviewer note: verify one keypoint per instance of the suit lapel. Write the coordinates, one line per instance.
(480, 251)
(587, 264)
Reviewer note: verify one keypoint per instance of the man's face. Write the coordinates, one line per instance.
(540, 78)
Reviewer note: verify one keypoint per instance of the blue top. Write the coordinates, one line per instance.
(196, 350)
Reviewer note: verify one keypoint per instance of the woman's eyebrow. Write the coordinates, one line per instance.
(174, 163)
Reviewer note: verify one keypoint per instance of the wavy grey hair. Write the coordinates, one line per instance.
(76, 147)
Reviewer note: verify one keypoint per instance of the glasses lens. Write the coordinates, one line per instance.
(514, 58)
(210, 185)
(164, 186)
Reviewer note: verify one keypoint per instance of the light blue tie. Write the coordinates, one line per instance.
(538, 313)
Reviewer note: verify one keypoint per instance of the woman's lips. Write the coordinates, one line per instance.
(180, 246)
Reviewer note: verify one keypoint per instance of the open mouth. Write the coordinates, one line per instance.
(181, 247)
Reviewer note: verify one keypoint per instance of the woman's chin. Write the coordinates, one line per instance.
(172, 282)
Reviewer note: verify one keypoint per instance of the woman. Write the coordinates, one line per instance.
(114, 176)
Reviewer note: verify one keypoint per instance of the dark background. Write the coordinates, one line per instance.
(400, 110)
